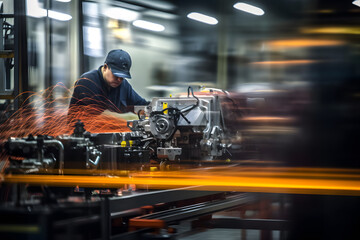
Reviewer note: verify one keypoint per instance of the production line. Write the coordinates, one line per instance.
(169, 131)
(175, 163)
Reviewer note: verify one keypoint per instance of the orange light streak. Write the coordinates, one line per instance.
(275, 180)
(331, 30)
(262, 119)
(299, 43)
(285, 62)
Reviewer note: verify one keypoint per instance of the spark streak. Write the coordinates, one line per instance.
(47, 113)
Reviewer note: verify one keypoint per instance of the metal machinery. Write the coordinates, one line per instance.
(169, 130)
(190, 127)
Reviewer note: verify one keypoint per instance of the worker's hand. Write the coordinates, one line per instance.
(126, 116)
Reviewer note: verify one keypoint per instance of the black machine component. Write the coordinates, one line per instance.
(34, 153)
(117, 157)
(81, 151)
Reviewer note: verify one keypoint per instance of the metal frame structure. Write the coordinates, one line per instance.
(19, 53)
(45, 221)
(96, 218)
(5, 93)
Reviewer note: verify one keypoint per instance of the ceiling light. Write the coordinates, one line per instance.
(356, 2)
(149, 25)
(36, 12)
(63, 0)
(249, 8)
(121, 14)
(202, 18)
(33, 9)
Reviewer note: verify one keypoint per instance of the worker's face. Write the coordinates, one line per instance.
(110, 78)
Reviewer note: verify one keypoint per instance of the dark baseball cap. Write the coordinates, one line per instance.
(119, 62)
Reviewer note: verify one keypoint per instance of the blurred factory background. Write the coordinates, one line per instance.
(296, 42)
(296, 58)
(295, 62)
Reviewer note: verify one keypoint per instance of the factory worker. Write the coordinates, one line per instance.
(106, 89)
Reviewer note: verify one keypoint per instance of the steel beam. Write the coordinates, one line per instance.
(21, 54)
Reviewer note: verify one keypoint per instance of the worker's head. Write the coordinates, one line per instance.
(117, 67)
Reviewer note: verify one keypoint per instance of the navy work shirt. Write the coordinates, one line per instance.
(91, 89)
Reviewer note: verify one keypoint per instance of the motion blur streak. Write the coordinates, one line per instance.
(298, 43)
(275, 180)
(287, 62)
(332, 30)
(268, 119)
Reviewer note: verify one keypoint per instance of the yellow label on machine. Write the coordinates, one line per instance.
(165, 105)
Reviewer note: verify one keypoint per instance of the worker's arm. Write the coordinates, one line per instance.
(130, 96)
(126, 116)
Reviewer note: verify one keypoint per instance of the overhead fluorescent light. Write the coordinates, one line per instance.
(33, 9)
(149, 25)
(249, 8)
(59, 16)
(36, 12)
(202, 18)
(63, 0)
(121, 14)
(356, 2)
